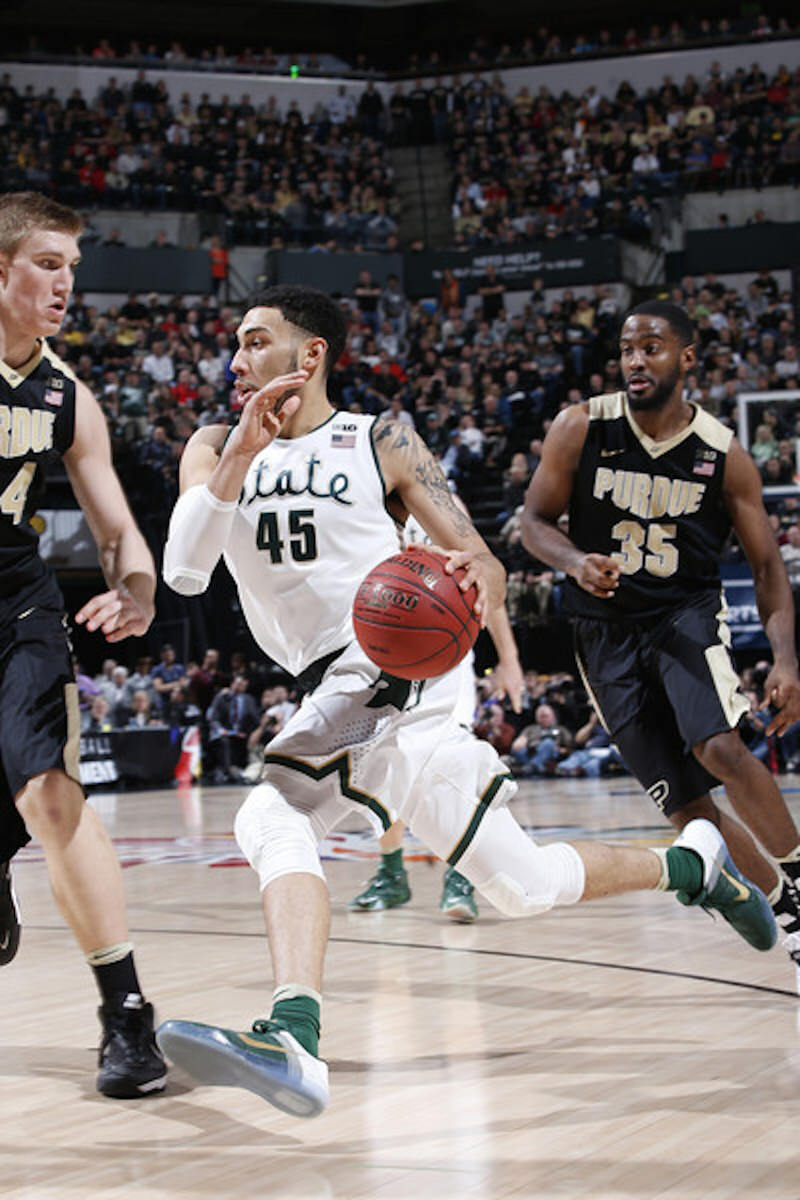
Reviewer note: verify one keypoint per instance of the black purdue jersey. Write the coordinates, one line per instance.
(655, 507)
(37, 422)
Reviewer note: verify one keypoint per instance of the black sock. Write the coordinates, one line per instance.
(117, 979)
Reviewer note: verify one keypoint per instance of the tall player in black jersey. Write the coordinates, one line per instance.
(653, 486)
(44, 412)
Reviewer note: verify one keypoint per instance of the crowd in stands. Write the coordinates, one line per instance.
(539, 165)
(480, 386)
(240, 709)
(258, 176)
(462, 50)
(523, 166)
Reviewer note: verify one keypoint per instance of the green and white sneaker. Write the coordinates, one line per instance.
(267, 1061)
(725, 890)
(386, 889)
(458, 897)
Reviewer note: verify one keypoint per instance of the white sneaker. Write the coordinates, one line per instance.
(267, 1061)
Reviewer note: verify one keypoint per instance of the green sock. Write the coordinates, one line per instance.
(393, 861)
(684, 871)
(300, 1016)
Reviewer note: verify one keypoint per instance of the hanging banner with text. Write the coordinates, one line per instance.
(560, 262)
(145, 757)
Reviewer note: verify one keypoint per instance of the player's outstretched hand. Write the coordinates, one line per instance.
(782, 689)
(264, 413)
(117, 613)
(598, 574)
(509, 681)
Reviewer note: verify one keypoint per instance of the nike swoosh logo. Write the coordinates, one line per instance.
(5, 940)
(743, 892)
(260, 1045)
(611, 453)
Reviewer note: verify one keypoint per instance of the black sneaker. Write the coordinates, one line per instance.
(787, 914)
(9, 916)
(131, 1064)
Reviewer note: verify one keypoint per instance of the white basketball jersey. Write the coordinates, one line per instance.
(311, 522)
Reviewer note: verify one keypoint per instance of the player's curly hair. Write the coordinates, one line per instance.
(312, 311)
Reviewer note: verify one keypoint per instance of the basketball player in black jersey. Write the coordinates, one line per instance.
(653, 486)
(44, 412)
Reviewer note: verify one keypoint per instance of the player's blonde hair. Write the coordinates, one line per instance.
(23, 212)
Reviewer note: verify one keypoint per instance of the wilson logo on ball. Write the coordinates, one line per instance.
(429, 578)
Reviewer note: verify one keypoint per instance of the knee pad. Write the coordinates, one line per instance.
(518, 877)
(275, 838)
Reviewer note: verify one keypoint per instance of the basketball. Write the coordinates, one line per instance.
(411, 618)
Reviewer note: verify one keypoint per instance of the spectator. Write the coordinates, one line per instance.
(540, 747)
(594, 752)
(141, 716)
(168, 675)
(232, 717)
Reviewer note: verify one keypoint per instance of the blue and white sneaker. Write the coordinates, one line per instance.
(268, 1061)
(725, 890)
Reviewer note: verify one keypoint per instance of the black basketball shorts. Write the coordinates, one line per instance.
(39, 715)
(660, 689)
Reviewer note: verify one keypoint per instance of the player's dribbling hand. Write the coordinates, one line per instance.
(598, 574)
(117, 614)
(782, 690)
(476, 574)
(264, 413)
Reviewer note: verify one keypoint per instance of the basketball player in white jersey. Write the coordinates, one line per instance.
(303, 501)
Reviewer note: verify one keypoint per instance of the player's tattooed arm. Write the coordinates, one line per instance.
(405, 459)
(414, 477)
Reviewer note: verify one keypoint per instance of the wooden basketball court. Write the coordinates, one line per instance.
(627, 1049)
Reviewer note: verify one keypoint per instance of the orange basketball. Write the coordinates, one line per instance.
(412, 618)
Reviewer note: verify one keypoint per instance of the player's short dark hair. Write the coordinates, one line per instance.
(676, 317)
(312, 311)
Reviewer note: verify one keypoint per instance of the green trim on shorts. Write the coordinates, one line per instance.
(484, 804)
(340, 766)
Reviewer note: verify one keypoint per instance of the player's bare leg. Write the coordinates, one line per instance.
(613, 870)
(87, 885)
(753, 792)
(297, 912)
(84, 871)
(277, 1059)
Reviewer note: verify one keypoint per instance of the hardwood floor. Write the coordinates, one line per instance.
(627, 1049)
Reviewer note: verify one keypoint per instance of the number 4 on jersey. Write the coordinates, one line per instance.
(12, 501)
